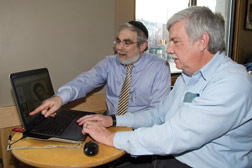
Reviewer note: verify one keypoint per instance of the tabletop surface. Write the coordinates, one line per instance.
(65, 154)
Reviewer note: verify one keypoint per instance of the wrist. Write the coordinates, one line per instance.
(110, 139)
(113, 119)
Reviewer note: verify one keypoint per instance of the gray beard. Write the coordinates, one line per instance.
(129, 61)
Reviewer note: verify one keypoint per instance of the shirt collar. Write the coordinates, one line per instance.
(140, 61)
(208, 70)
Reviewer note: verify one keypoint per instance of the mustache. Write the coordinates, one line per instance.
(173, 56)
(121, 52)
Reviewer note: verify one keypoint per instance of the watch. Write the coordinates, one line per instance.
(113, 119)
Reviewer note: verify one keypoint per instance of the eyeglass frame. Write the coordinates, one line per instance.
(125, 43)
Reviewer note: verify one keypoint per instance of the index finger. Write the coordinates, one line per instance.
(39, 109)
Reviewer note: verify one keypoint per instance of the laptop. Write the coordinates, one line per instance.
(30, 88)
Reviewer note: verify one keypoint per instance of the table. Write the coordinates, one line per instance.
(63, 157)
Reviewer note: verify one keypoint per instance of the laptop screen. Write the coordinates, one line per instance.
(30, 89)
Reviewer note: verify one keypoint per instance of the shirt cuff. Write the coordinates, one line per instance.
(121, 140)
(65, 96)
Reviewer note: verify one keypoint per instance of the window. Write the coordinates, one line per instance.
(155, 13)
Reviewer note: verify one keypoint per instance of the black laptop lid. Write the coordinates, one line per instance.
(30, 89)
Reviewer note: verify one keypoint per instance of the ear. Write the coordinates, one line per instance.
(203, 41)
(143, 46)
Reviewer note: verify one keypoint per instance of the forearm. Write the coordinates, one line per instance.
(135, 120)
(146, 118)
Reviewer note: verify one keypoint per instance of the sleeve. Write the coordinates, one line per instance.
(219, 109)
(85, 82)
(143, 122)
(145, 118)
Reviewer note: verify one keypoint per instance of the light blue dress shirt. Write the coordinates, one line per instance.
(205, 122)
(151, 81)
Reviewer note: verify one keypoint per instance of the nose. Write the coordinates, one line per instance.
(119, 46)
(169, 49)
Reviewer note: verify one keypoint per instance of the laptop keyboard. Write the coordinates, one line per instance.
(55, 126)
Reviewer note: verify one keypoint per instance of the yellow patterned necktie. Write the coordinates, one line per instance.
(124, 95)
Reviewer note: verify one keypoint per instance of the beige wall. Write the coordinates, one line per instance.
(71, 36)
(124, 12)
(243, 37)
(66, 36)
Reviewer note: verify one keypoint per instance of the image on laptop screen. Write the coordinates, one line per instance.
(31, 90)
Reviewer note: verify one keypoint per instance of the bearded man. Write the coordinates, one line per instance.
(150, 78)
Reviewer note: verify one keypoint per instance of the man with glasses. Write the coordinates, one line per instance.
(150, 78)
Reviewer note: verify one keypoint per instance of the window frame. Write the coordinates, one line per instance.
(230, 24)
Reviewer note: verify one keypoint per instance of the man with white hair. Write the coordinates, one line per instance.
(206, 120)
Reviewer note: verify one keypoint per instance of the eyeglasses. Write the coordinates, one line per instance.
(125, 43)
